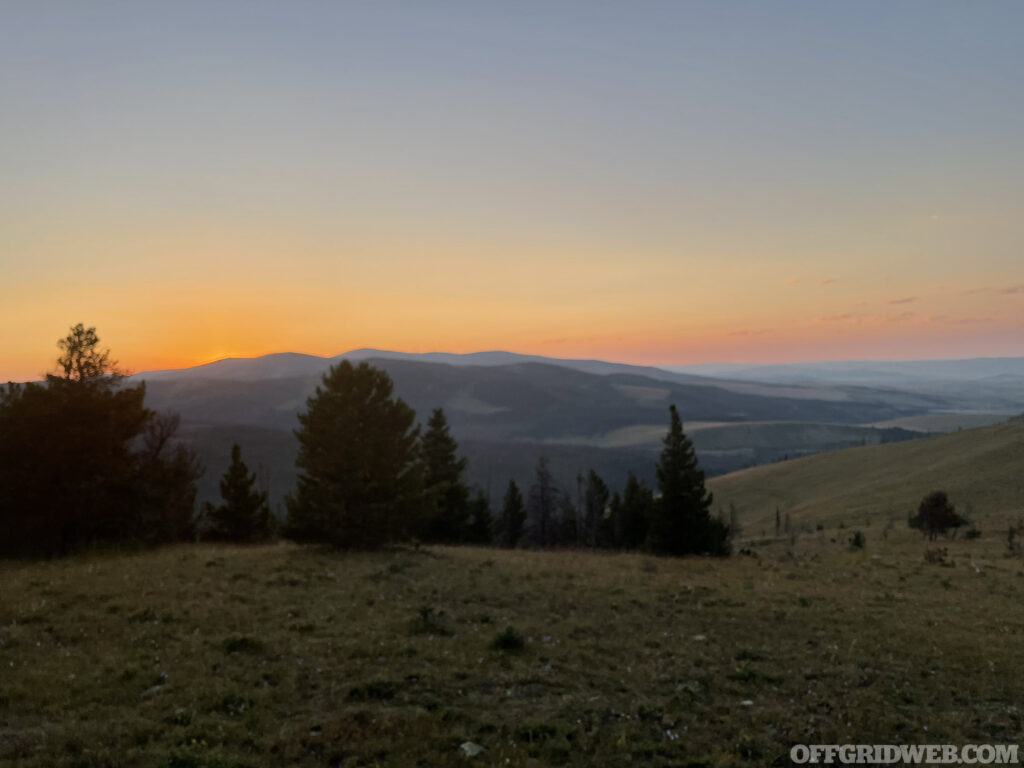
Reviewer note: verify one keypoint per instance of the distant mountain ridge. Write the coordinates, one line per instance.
(290, 364)
(508, 409)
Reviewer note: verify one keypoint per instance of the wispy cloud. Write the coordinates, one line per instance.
(828, 281)
(1013, 289)
(792, 281)
(836, 318)
(969, 320)
(751, 332)
(900, 317)
(973, 291)
(907, 300)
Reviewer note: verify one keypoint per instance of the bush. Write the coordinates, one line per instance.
(936, 516)
(508, 640)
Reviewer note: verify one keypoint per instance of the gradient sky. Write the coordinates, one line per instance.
(653, 182)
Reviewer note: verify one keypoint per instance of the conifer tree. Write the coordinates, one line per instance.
(682, 523)
(567, 530)
(607, 533)
(83, 460)
(448, 515)
(634, 514)
(244, 514)
(542, 511)
(512, 518)
(595, 499)
(360, 480)
(480, 526)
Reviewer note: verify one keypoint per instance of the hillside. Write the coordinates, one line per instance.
(982, 468)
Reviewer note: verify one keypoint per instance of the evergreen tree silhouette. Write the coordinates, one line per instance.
(448, 515)
(512, 518)
(360, 479)
(244, 514)
(682, 523)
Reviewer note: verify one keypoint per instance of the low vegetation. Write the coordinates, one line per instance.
(220, 655)
(883, 484)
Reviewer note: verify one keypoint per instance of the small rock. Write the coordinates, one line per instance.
(746, 703)
(151, 692)
(700, 638)
(469, 749)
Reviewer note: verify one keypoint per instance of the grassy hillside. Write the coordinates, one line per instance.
(228, 657)
(983, 468)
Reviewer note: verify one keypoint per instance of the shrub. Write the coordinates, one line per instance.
(935, 515)
(509, 640)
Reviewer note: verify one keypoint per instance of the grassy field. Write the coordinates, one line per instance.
(981, 469)
(280, 655)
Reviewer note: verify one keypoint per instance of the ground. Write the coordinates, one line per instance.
(281, 655)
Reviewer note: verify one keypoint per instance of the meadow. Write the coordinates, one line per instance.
(230, 656)
(981, 469)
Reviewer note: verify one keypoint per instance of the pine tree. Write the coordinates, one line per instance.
(448, 514)
(360, 480)
(682, 523)
(634, 515)
(607, 531)
(595, 499)
(512, 518)
(542, 510)
(567, 531)
(83, 460)
(244, 514)
(480, 526)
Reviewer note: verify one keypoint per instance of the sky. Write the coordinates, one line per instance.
(651, 182)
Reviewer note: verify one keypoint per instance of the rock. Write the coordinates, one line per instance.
(469, 749)
(151, 692)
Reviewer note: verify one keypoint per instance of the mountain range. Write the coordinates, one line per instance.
(507, 410)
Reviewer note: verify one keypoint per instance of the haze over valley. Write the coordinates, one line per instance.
(507, 410)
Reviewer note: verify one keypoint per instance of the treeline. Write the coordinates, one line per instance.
(82, 461)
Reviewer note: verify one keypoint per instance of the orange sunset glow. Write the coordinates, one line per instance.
(387, 180)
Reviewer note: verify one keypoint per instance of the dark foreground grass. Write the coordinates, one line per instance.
(284, 656)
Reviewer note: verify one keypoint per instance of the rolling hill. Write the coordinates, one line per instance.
(981, 469)
(506, 416)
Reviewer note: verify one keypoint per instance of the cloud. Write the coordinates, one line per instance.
(907, 300)
(792, 281)
(972, 291)
(899, 317)
(1013, 289)
(836, 318)
(828, 281)
(969, 320)
(751, 332)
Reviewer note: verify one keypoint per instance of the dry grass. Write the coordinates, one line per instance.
(279, 655)
(981, 467)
